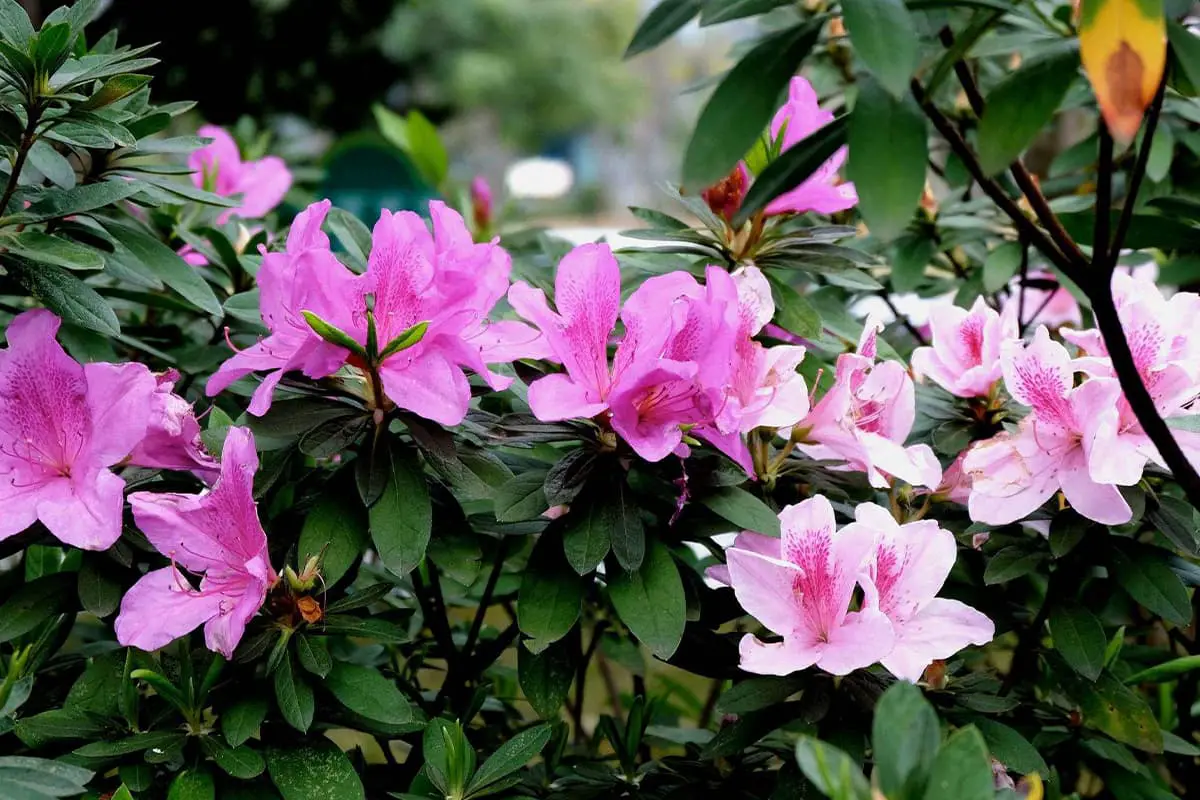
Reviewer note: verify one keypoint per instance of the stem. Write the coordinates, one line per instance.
(903, 320)
(1137, 175)
(1100, 239)
(486, 600)
(581, 678)
(1025, 656)
(27, 139)
(1021, 286)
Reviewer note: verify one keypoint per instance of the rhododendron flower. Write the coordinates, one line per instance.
(62, 425)
(215, 534)
(965, 356)
(1055, 445)
(306, 277)
(1166, 350)
(865, 418)
(173, 434)
(671, 368)
(908, 566)
(800, 587)
(798, 118)
(218, 166)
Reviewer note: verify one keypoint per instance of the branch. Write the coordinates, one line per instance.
(903, 320)
(485, 601)
(1135, 177)
(18, 164)
(1104, 176)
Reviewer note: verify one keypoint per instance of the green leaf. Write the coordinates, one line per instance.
(1079, 637)
(962, 769)
(904, 760)
(1177, 521)
(587, 536)
(79, 200)
(888, 152)
(567, 478)
(51, 47)
(59, 724)
(192, 785)
(379, 630)
(1167, 671)
(521, 498)
(793, 312)
(546, 677)
(366, 692)
(314, 656)
(51, 163)
(1143, 573)
(333, 334)
(832, 771)
(1011, 563)
(239, 762)
(316, 771)
(1110, 707)
(758, 692)
(26, 778)
(1001, 264)
(651, 602)
(114, 89)
(1011, 748)
(742, 105)
(794, 166)
(15, 26)
(242, 719)
(405, 339)
(135, 244)
(67, 296)
(1021, 105)
(293, 696)
(419, 140)
(718, 11)
(156, 740)
(911, 254)
(1185, 52)
(663, 20)
(38, 246)
(350, 231)
(742, 509)
(627, 533)
(34, 603)
(510, 757)
(337, 526)
(402, 519)
(99, 591)
(551, 593)
(885, 38)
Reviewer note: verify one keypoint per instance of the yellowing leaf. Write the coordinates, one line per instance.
(1123, 45)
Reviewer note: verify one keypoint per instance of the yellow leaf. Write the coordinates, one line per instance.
(1123, 45)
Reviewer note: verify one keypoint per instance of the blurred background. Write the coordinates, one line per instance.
(531, 94)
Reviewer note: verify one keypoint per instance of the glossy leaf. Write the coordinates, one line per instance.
(651, 601)
(888, 152)
(1021, 106)
(885, 38)
(402, 519)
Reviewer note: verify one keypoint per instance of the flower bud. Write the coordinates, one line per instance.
(310, 610)
(481, 204)
(726, 195)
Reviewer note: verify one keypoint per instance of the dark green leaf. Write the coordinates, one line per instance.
(1185, 52)
(718, 11)
(137, 244)
(192, 785)
(1144, 574)
(1110, 707)
(651, 602)
(1167, 671)
(742, 509)
(354, 236)
(567, 477)
(15, 26)
(1011, 563)
(34, 603)
(114, 89)
(758, 692)
(510, 757)
(336, 526)
(25, 778)
(366, 692)
(316, 771)
(1011, 748)
(1079, 637)
(157, 740)
(1001, 264)
(911, 254)
(888, 151)
(588, 532)
(402, 519)
(962, 769)
(59, 723)
(546, 677)
(81, 199)
(348, 625)
(313, 654)
(51, 163)
(627, 533)
(793, 312)
(662, 21)
(240, 762)
(99, 591)
(38, 246)
(241, 720)
(293, 696)
(551, 593)
(67, 296)
(885, 38)
(1176, 520)
(794, 166)
(1021, 105)
(906, 759)
(742, 105)
(522, 498)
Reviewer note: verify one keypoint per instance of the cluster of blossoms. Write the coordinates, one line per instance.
(1079, 436)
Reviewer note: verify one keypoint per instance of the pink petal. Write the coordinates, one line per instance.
(85, 510)
(556, 397)
(938, 631)
(863, 638)
(118, 397)
(766, 588)
(262, 184)
(246, 595)
(429, 386)
(779, 658)
(1039, 375)
(1011, 477)
(1101, 502)
(160, 608)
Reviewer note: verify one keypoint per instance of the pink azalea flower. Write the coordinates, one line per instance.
(907, 568)
(965, 356)
(261, 184)
(173, 434)
(1166, 350)
(307, 277)
(1057, 306)
(449, 281)
(216, 534)
(62, 426)
(800, 587)
(866, 417)
(799, 117)
(1055, 445)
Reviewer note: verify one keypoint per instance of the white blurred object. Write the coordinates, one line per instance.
(539, 178)
(586, 235)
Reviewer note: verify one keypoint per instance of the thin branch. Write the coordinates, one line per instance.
(1104, 178)
(485, 601)
(1021, 285)
(903, 320)
(1025, 181)
(18, 164)
(1138, 174)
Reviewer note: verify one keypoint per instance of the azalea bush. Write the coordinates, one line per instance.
(873, 474)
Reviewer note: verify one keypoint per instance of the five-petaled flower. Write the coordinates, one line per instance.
(965, 356)
(218, 166)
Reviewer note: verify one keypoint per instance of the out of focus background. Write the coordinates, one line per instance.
(530, 94)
